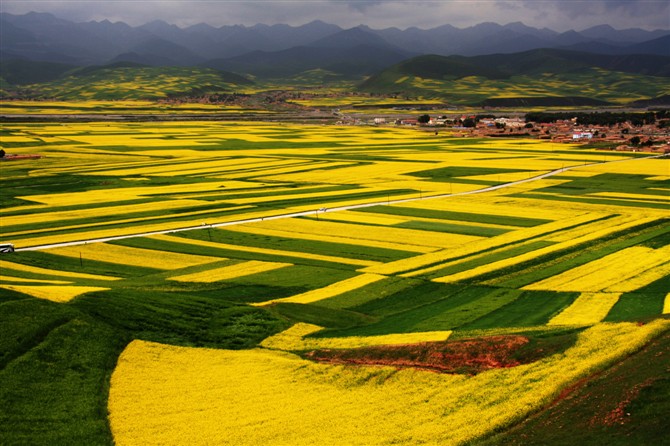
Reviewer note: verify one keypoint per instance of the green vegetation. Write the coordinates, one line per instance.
(372, 291)
(500, 254)
(636, 306)
(139, 83)
(620, 406)
(541, 267)
(324, 317)
(55, 374)
(351, 251)
(453, 215)
(453, 228)
(45, 259)
(56, 359)
(531, 308)
(452, 172)
(543, 77)
(22, 72)
(599, 118)
(181, 320)
(426, 307)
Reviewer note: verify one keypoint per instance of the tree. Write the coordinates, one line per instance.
(635, 140)
(469, 122)
(2, 153)
(423, 119)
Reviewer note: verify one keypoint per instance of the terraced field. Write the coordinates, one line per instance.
(329, 326)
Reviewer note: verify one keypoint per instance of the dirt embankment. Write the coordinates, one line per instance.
(470, 356)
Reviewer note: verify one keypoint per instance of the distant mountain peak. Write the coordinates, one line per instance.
(44, 37)
(351, 37)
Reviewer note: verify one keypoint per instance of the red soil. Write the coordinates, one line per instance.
(467, 356)
(20, 157)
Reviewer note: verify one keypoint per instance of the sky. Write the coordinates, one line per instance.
(558, 15)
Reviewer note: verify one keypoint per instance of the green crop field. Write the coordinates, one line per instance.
(188, 282)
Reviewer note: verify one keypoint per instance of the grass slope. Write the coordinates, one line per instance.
(621, 406)
(56, 359)
(138, 82)
(538, 77)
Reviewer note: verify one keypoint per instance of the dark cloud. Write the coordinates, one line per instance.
(646, 14)
(560, 15)
(358, 5)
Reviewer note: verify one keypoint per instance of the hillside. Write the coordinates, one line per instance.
(353, 62)
(127, 80)
(544, 74)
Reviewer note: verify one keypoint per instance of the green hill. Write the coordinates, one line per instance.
(550, 77)
(22, 72)
(619, 406)
(133, 81)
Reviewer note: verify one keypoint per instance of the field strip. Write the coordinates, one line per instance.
(200, 214)
(435, 260)
(343, 232)
(5, 265)
(80, 214)
(342, 239)
(54, 293)
(295, 338)
(230, 271)
(4, 278)
(625, 270)
(340, 208)
(124, 255)
(162, 394)
(326, 292)
(270, 251)
(587, 309)
(542, 251)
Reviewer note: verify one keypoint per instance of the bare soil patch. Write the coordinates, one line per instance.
(468, 356)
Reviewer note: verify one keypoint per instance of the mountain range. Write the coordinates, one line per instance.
(283, 50)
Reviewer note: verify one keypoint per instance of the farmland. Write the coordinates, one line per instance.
(273, 274)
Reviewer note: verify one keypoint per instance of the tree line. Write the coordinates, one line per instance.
(636, 119)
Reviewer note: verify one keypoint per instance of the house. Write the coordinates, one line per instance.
(581, 135)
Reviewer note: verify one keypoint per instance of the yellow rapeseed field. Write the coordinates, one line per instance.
(60, 216)
(130, 178)
(478, 246)
(412, 240)
(330, 290)
(11, 279)
(270, 251)
(124, 255)
(7, 266)
(172, 395)
(55, 293)
(625, 270)
(294, 339)
(587, 309)
(578, 286)
(118, 194)
(230, 271)
(362, 217)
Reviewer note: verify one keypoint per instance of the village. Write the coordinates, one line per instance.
(625, 136)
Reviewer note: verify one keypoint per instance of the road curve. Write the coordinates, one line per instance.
(323, 209)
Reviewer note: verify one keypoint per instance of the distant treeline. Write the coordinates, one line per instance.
(600, 118)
